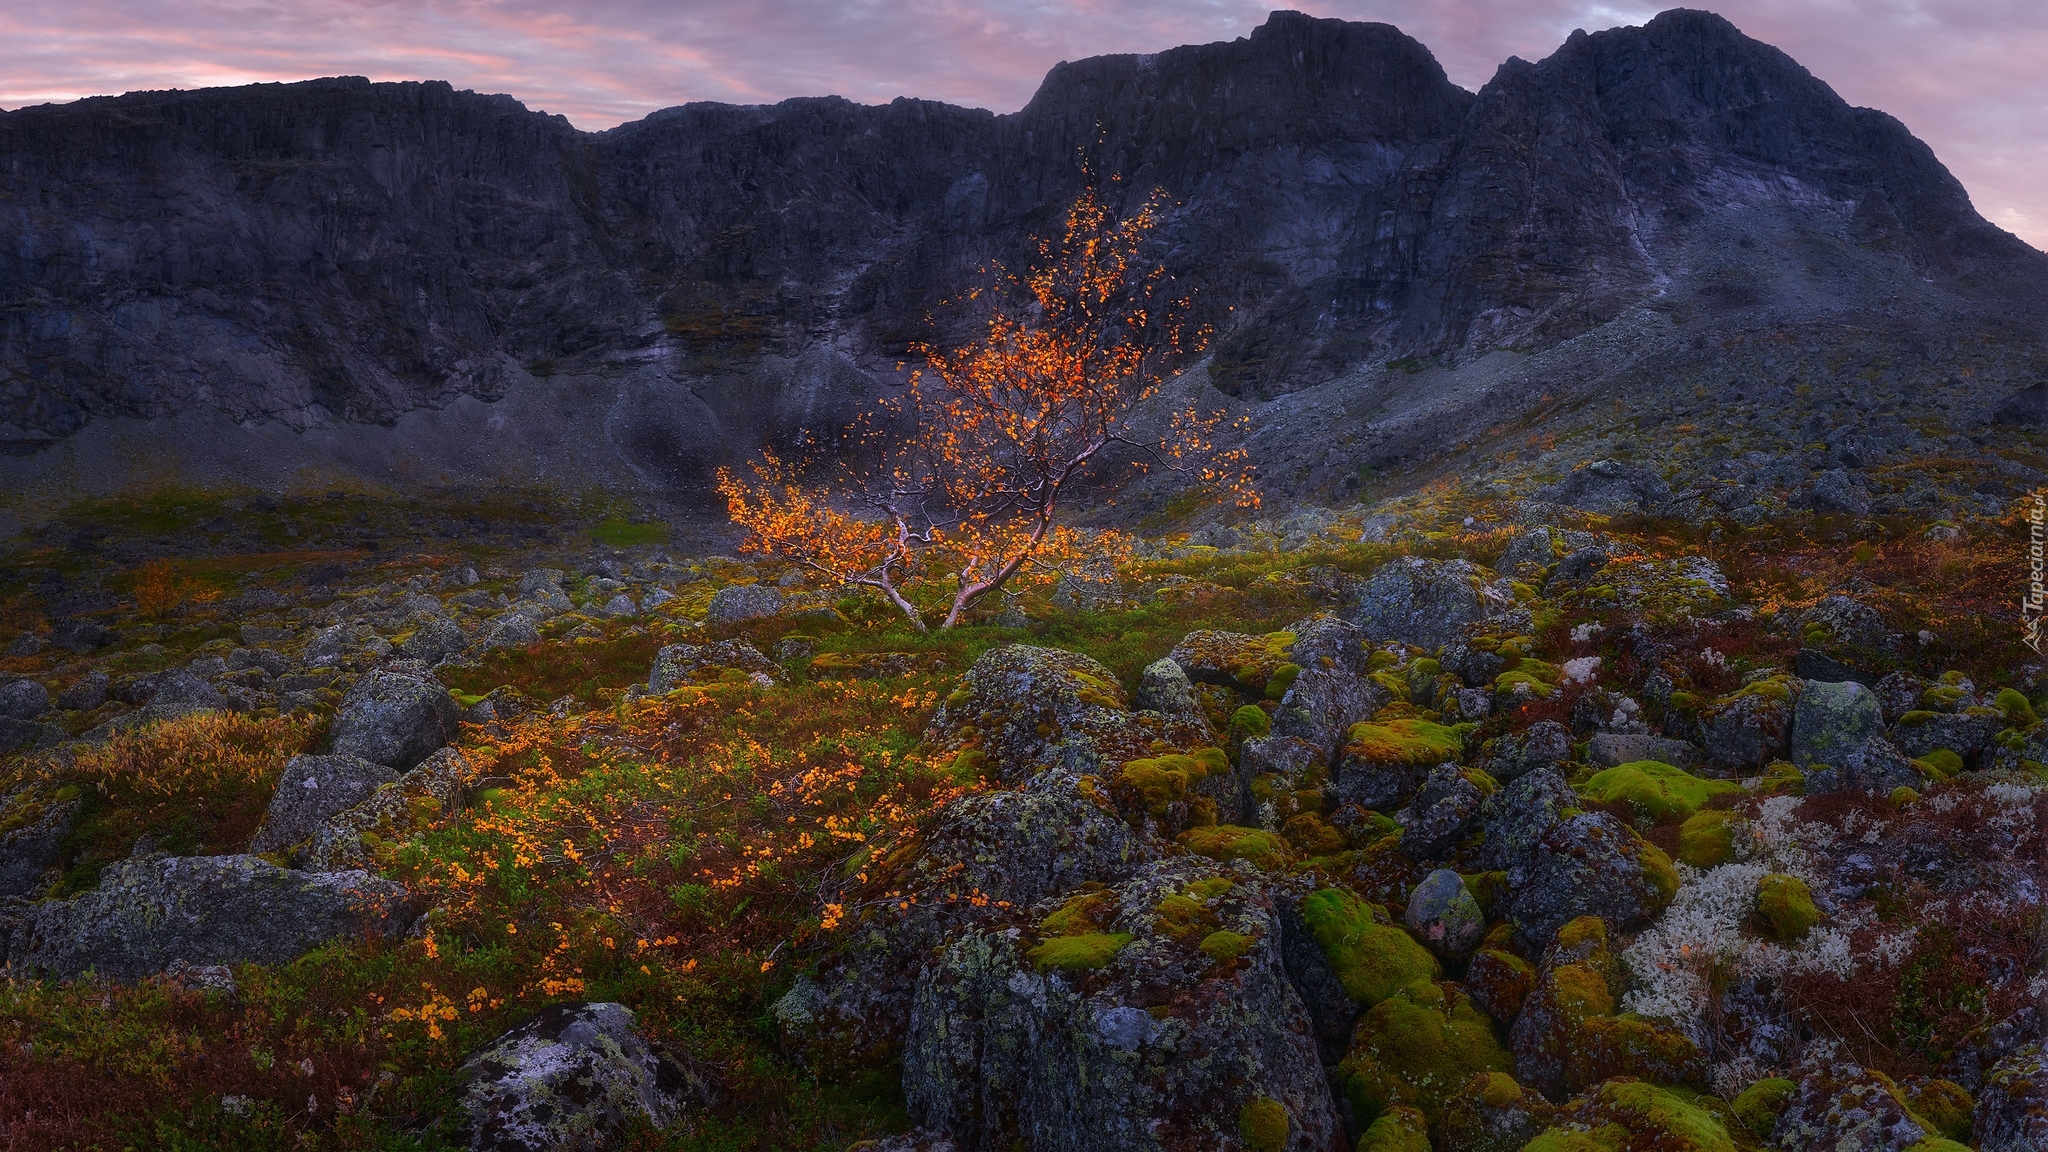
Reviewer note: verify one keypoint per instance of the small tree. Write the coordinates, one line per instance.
(991, 437)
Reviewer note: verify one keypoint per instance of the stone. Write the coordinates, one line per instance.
(36, 822)
(1843, 1107)
(620, 606)
(26, 644)
(1875, 767)
(1164, 688)
(1440, 814)
(1025, 710)
(82, 636)
(394, 720)
(149, 911)
(1814, 664)
(1528, 555)
(1839, 622)
(1831, 720)
(1609, 749)
(1031, 1041)
(1443, 914)
(2011, 1114)
(352, 837)
(575, 1076)
(1421, 602)
(436, 639)
(23, 699)
(1745, 730)
(737, 602)
(274, 663)
(1570, 1035)
(1608, 487)
(1516, 817)
(1968, 735)
(309, 791)
(215, 979)
(1544, 744)
(655, 599)
(1576, 568)
(1898, 694)
(1590, 864)
(1837, 491)
(681, 664)
(513, 628)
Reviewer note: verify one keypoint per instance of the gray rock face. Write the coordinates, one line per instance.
(391, 812)
(435, 640)
(1544, 744)
(680, 664)
(1832, 721)
(1003, 1051)
(1841, 622)
(510, 629)
(23, 699)
(1516, 817)
(1609, 486)
(1746, 732)
(86, 693)
(1165, 689)
(1584, 865)
(576, 1076)
(309, 791)
(150, 911)
(1444, 916)
(1968, 736)
(40, 821)
(1439, 815)
(736, 602)
(1874, 766)
(1607, 749)
(1417, 601)
(1846, 1107)
(394, 720)
(1037, 709)
(2012, 1109)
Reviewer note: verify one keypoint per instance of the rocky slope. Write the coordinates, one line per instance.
(415, 286)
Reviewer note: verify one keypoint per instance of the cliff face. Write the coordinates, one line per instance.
(338, 255)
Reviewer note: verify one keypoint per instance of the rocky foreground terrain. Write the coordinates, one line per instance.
(1457, 821)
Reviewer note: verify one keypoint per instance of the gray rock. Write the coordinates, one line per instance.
(1875, 767)
(1332, 692)
(538, 582)
(275, 663)
(37, 821)
(1609, 486)
(1440, 815)
(736, 602)
(1842, 622)
(575, 1076)
(1837, 491)
(514, 628)
(216, 979)
(152, 910)
(394, 720)
(392, 812)
(436, 639)
(26, 644)
(23, 699)
(1444, 916)
(1544, 744)
(1421, 602)
(309, 791)
(1165, 689)
(2012, 1108)
(16, 735)
(656, 599)
(1831, 721)
(1516, 817)
(1585, 865)
(1744, 732)
(1898, 694)
(1966, 734)
(1608, 749)
(621, 605)
(680, 664)
(1845, 1107)
(82, 636)
(1576, 568)
(1528, 554)
(1033, 710)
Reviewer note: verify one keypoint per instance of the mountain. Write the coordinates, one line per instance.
(410, 286)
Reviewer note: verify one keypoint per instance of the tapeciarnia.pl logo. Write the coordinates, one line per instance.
(2036, 601)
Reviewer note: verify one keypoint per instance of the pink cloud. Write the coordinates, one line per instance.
(1962, 74)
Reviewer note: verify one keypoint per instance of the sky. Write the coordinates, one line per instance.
(1970, 77)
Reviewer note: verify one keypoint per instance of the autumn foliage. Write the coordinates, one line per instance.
(979, 468)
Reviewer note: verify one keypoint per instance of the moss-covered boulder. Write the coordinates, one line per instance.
(1442, 810)
(1422, 602)
(1785, 908)
(1371, 956)
(573, 1076)
(1544, 744)
(1590, 864)
(1398, 1129)
(1443, 914)
(1707, 839)
(1626, 1115)
(1384, 764)
(1832, 721)
(1492, 1113)
(1029, 710)
(1515, 818)
(1418, 1048)
(1749, 728)
(1658, 792)
(1759, 1105)
(1256, 846)
(2012, 1108)
(1176, 1026)
(1569, 1037)
(1843, 1106)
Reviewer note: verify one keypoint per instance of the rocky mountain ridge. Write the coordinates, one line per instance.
(410, 285)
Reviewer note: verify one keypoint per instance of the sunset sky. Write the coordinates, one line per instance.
(1967, 76)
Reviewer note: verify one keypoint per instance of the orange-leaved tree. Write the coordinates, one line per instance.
(985, 448)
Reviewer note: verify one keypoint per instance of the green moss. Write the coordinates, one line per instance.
(1659, 791)
(1078, 953)
(1936, 1144)
(1230, 842)
(1415, 742)
(1657, 869)
(1781, 778)
(1944, 1105)
(1211, 888)
(1155, 783)
(1082, 914)
(1903, 797)
(1707, 838)
(1418, 1048)
(1264, 1124)
(1940, 764)
(1786, 907)
(1224, 946)
(1371, 959)
(1281, 680)
(1760, 1104)
(1610, 1138)
(2019, 711)
(1399, 1129)
(1665, 1115)
(1250, 721)
(1916, 717)
(1180, 917)
(1506, 682)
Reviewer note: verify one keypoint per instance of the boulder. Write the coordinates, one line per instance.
(2012, 1109)
(394, 720)
(348, 838)
(1609, 749)
(151, 910)
(1843, 1106)
(1528, 554)
(575, 1076)
(1440, 814)
(1832, 720)
(1516, 817)
(436, 639)
(1384, 764)
(86, 693)
(1425, 603)
(1745, 730)
(542, 588)
(1568, 1036)
(35, 822)
(621, 606)
(1966, 734)
(1590, 864)
(1837, 491)
(82, 636)
(1874, 767)
(1022, 710)
(1608, 487)
(23, 699)
(513, 628)
(309, 791)
(736, 602)
(1154, 1014)
(681, 664)
(1839, 622)
(1165, 688)
(1544, 744)
(1443, 914)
